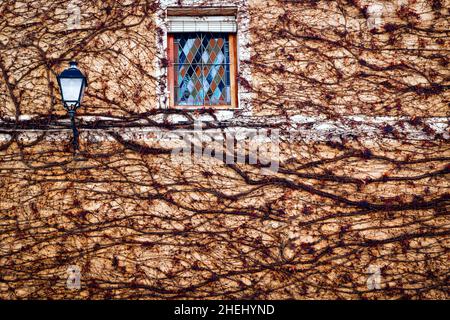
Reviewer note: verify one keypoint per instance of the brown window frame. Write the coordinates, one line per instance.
(232, 38)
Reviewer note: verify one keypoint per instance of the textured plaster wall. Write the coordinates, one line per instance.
(363, 156)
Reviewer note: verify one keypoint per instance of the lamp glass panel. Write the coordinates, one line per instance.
(70, 89)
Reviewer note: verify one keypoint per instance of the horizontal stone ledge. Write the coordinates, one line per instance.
(429, 129)
(180, 118)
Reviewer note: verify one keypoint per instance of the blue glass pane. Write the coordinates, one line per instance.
(202, 69)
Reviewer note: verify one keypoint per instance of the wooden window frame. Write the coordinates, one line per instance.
(232, 38)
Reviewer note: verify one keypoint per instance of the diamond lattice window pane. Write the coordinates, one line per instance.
(215, 85)
(202, 69)
(189, 90)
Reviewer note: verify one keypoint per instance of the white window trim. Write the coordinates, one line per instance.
(243, 54)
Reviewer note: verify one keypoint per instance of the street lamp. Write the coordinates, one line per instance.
(72, 84)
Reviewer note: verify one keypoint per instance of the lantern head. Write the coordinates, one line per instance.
(72, 84)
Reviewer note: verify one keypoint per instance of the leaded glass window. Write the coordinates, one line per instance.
(202, 64)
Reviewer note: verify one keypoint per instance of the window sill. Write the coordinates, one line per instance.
(204, 115)
(205, 108)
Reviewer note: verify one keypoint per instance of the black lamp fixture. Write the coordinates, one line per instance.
(72, 84)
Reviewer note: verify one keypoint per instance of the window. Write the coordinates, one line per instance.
(202, 61)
